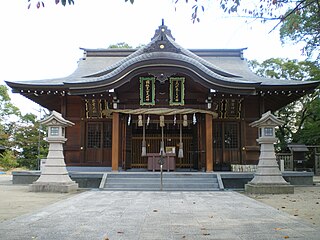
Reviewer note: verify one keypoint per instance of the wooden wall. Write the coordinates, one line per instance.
(250, 147)
(73, 110)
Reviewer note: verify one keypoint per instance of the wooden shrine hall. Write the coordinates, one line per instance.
(192, 106)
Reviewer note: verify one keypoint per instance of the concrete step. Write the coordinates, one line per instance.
(151, 182)
(173, 180)
(169, 185)
(163, 189)
(157, 175)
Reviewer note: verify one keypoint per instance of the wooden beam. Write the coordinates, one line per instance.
(115, 141)
(209, 146)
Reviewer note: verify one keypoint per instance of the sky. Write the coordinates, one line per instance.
(45, 43)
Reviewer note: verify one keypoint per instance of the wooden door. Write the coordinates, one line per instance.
(99, 143)
(226, 145)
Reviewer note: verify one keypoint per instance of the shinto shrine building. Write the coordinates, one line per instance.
(193, 106)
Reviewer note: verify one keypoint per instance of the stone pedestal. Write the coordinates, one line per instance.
(54, 175)
(268, 178)
(53, 187)
(269, 188)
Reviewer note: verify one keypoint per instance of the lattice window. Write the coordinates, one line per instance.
(94, 135)
(225, 135)
(231, 135)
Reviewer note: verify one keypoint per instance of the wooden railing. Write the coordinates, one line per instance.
(312, 155)
(288, 160)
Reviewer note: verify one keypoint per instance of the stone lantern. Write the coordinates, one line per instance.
(54, 175)
(268, 178)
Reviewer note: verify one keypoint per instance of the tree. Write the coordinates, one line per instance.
(19, 134)
(40, 4)
(303, 26)
(120, 45)
(299, 20)
(8, 160)
(301, 117)
(29, 141)
(8, 116)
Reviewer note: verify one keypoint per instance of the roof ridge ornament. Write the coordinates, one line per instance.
(162, 31)
(162, 41)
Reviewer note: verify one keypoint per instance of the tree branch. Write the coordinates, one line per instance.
(291, 12)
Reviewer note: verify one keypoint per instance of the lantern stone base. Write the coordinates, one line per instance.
(54, 187)
(269, 188)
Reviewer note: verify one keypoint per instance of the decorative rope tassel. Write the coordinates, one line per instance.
(194, 120)
(144, 145)
(162, 152)
(148, 120)
(129, 119)
(185, 121)
(180, 153)
(144, 148)
(161, 121)
(140, 123)
(174, 120)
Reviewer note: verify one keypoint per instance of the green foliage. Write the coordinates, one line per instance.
(7, 109)
(299, 20)
(8, 160)
(286, 69)
(8, 116)
(302, 117)
(120, 45)
(303, 26)
(28, 139)
(20, 132)
(40, 4)
(310, 132)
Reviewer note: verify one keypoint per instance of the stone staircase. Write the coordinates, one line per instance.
(150, 181)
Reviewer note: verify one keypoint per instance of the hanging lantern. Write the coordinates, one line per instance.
(129, 120)
(194, 119)
(140, 122)
(161, 121)
(185, 121)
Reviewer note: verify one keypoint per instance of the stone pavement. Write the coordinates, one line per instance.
(134, 215)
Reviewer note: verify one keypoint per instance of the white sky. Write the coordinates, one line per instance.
(44, 43)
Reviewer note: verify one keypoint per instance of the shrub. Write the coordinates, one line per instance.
(29, 163)
(8, 160)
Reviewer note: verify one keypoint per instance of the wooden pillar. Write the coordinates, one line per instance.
(209, 150)
(63, 107)
(115, 141)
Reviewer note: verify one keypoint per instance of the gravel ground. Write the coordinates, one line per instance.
(304, 203)
(16, 200)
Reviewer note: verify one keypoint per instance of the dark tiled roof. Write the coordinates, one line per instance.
(104, 67)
